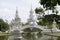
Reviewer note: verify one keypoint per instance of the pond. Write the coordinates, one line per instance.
(29, 36)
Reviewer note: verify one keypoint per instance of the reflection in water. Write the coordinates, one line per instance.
(44, 37)
(32, 37)
(3, 38)
(17, 39)
(58, 38)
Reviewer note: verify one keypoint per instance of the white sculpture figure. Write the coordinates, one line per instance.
(55, 29)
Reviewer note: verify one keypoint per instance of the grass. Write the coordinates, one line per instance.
(5, 34)
(57, 34)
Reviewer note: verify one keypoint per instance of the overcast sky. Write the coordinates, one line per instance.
(8, 8)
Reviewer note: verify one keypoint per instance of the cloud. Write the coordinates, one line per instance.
(8, 8)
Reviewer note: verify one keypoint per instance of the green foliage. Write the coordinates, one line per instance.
(47, 20)
(39, 10)
(27, 30)
(36, 30)
(3, 37)
(39, 34)
(49, 3)
(28, 34)
(58, 38)
(3, 25)
(23, 24)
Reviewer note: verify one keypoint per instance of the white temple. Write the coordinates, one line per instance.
(15, 23)
(16, 28)
(32, 19)
(32, 22)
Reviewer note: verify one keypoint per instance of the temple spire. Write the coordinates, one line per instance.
(16, 15)
(31, 10)
(31, 16)
(16, 22)
(31, 19)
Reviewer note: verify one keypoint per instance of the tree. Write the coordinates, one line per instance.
(47, 18)
(50, 4)
(40, 11)
(3, 25)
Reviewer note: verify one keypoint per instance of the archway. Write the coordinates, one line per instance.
(31, 32)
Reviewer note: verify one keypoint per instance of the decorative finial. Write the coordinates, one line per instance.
(16, 15)
(31, 10)
(16, 9)
(31, 6)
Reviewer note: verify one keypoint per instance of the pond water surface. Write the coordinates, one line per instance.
(30, 37)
